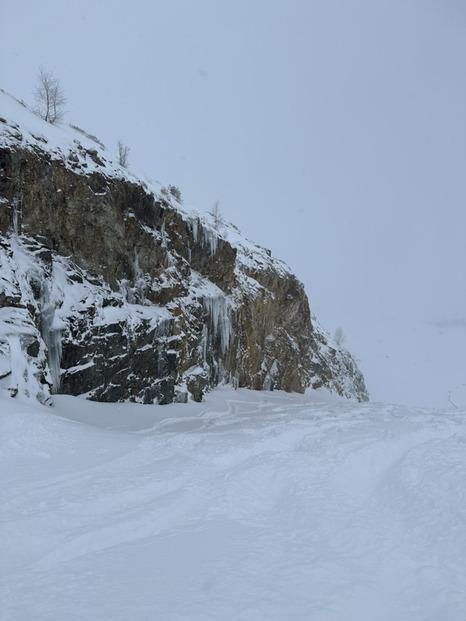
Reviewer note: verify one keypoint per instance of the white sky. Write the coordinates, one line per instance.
(332, 132)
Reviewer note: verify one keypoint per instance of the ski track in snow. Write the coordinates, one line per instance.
(250, 506)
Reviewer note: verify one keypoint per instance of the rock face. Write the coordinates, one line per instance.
(111, 289)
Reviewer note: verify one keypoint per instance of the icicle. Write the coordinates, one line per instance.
(204, 344)
(160, 359)
(217, 307)
(269, 381)
(194, 223)
(163, 236)
(17, 213)
(136, 268)
(52, 337)
(140, 283)
(210, 239)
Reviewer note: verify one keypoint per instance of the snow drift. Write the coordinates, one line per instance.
(251, 506)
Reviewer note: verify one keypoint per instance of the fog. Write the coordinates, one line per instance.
(333, 133)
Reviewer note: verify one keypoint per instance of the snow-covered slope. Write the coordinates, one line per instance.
(252, 506)
(124, 294)
(69, 144)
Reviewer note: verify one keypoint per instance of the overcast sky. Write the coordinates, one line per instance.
(331, 131)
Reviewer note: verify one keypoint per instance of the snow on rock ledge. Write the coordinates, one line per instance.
(116, 292)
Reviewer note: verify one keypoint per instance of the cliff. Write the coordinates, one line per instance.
(112, 289)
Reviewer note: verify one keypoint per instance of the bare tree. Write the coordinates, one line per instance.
(216, 215)
(339, 337)
(123, 154)
(50, 97)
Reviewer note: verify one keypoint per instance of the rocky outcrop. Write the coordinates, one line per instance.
(122, 294)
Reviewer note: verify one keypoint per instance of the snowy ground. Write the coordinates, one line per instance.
(250, 506)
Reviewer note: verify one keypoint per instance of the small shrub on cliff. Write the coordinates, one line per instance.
(172, 190)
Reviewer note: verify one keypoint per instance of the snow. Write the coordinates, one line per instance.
(76, 149)
(249, 506)
(17, 373)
